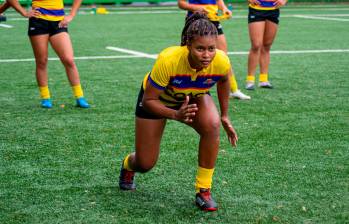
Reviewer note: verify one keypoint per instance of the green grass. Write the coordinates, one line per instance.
(290, 166)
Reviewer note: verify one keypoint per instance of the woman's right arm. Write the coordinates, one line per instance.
(152, 103)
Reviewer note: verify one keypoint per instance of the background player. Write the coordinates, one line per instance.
(50, 26)
(211, 7)
(263, 20)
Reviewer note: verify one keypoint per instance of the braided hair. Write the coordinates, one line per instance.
(197, 25)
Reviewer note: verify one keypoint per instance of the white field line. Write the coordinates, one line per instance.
(121, 12)
(76, 58)
(296, 52)
(5, 26)
(136, 53)
(320, 18)
(312, 16)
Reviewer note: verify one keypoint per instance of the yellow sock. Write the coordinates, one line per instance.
(263, 77)
(77, 90)
(203, 178)
(250, 78)
(44, 92)
(126, 164)
(233, 84)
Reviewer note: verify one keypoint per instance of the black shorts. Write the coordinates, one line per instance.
(140, 111)
(256, 15)
(219, 27)
(41, 26)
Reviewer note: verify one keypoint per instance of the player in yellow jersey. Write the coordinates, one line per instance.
(178, 88)
(263, 20)
(50, 26)
(211, 7)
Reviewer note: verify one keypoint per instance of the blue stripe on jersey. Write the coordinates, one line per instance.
(51, 12)
(267, 4)
(201, 82)
(203, 2)
(155, 84)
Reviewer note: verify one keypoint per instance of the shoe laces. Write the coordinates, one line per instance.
(205, 194)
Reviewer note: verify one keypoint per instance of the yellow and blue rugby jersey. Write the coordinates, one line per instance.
(52, 10)
(264, 5)
(173, 74)
(210, 5)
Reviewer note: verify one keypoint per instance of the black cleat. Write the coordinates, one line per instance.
(126, 179)
(2, 18)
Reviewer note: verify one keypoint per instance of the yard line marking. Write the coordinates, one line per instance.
(16, 19)
(154, 56)
(330, 15)
(76, 58)
(6, 26)
(183, 12)
(320, 18)
(296, 52)
(137, 53)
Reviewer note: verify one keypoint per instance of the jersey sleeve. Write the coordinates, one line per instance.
(160, 74)
(224, 62)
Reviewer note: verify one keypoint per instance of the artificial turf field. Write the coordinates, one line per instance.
(291, 165)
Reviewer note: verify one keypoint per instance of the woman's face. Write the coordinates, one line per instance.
(202, 51)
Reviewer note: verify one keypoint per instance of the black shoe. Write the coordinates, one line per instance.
(204, 200)
(126, 179)
(2, 18)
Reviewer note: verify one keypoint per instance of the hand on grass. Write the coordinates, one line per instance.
(229, 129)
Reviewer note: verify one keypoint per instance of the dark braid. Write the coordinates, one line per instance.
(197, 25)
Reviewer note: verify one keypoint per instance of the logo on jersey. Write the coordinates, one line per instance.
(176, 81)
(208, 81)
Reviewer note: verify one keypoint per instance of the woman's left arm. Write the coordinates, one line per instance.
(74, 9)
(223, 90)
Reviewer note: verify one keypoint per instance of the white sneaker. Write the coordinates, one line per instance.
(239, 95)
(249, 86)
(267, 85)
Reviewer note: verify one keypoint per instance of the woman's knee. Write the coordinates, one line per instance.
(144, 165)
(211, 128)
(41, 63)
(68, 61)
(256, 46)
(266, 47)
